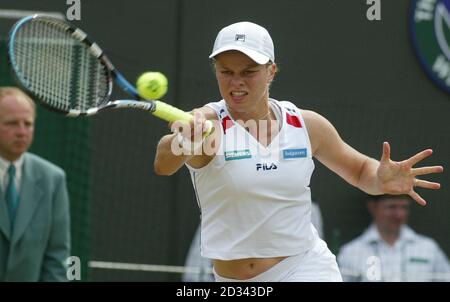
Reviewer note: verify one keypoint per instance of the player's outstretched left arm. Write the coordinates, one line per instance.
(370, 175)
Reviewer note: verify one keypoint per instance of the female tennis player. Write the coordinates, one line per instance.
(251, 175)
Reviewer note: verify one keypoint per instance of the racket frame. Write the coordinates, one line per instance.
(113, 75)
(157, 108)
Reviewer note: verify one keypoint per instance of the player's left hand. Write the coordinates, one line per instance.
(400, 177)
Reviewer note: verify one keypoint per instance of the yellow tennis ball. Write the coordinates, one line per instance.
(152, 85)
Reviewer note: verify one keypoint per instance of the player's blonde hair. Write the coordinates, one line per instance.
(14, 91)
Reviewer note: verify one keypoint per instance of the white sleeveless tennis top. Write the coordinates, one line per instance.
(255, 201)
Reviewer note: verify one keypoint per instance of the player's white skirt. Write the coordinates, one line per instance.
(316, 265)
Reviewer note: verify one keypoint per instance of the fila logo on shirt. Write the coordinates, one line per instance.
(266, 167)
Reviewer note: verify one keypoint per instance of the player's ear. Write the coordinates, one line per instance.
(272, 69)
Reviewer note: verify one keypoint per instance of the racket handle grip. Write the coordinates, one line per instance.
(170, 113)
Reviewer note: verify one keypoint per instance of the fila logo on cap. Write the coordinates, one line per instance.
(249, 38)
(240, 38)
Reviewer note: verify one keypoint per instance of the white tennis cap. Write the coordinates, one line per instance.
(249, 38)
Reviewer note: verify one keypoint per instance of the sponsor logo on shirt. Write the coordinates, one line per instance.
(266, 167)
(294, 153)
(237, 154)
(419, 260)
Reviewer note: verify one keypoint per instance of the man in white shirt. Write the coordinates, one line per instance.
(391, 251)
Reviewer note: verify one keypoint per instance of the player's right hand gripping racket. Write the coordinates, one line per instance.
(63, 69)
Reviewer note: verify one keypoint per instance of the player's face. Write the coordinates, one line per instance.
(391, 214)
(243, 83)
(16, 126)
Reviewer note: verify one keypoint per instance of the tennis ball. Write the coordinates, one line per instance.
(152, 85)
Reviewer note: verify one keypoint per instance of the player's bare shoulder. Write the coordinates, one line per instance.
(319, 128)
(310, 117)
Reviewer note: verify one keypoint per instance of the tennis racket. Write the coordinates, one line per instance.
(61, 67)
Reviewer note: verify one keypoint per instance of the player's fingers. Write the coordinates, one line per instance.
(426, 184)
(176, 126)
(419, 156)
(181, 127)
(199, 120)
(207, 126)
(417, 198)
(386, 156)
(427, 170)
(199, 117)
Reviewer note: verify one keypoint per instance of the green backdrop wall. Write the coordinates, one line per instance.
(363, 76)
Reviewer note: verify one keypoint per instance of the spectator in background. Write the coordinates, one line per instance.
(204, 265)
(34, 204)
(389, 250)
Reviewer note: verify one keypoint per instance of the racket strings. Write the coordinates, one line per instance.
(58, 68)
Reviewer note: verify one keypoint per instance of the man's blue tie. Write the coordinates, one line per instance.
(11, 195)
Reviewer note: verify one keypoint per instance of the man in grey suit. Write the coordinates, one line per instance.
(34, 204)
